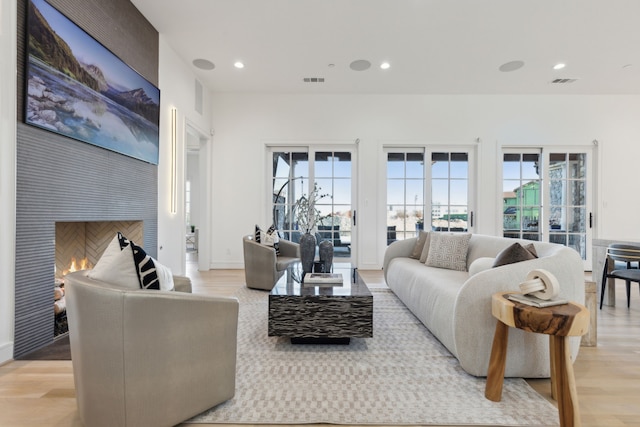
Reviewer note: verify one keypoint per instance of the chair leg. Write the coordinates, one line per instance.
(628, 283)
(604, 282)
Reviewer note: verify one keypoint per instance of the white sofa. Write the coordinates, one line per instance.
(456, 306)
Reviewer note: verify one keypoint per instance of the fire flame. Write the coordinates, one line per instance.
(76, 265)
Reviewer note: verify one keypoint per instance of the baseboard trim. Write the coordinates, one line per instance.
(6, 352)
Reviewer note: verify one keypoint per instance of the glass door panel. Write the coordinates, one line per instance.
(449, 191)
(521, 195)
(333, 179)
(290, 178)
(405, 195)
(567, 200)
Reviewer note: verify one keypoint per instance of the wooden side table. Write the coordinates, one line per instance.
(559, 322)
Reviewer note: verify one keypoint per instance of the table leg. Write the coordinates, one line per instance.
(567, 394)
(611, 284)
(497, 362)
(552, 368)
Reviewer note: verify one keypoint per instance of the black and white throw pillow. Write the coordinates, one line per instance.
(268, 238)
(147, 275)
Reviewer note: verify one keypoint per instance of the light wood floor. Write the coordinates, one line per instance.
(41, 393)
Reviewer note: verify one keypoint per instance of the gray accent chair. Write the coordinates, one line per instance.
(147, 357)
(262, 267)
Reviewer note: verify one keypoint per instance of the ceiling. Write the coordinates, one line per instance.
(433, 46)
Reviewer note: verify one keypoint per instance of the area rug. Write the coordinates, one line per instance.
(401, 376)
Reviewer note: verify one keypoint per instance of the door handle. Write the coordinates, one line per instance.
(590, 219)
(354, 217)
(471, 219)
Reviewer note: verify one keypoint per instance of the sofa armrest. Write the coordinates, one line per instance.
(473, 305)
(399, 248)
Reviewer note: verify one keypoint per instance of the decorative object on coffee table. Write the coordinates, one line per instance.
(326, 255)
(307, 251)
(323, 279)
(307, 216)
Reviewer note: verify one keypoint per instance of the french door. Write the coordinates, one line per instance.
(428, 189)
(295, 173)
(547, 196)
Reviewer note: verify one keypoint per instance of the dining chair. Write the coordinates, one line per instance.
(624, 257)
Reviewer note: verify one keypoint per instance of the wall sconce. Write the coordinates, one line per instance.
(174, 153)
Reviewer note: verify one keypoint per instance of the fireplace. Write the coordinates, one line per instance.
(78, 246)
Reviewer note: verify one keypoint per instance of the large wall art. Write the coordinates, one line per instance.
(78, 88)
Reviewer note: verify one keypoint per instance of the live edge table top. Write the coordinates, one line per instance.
(321, 314)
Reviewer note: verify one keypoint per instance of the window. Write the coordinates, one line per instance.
(449, 191)
(290, 174)
(405, 195)
(521, 201)
(446, 181)
(567, 200)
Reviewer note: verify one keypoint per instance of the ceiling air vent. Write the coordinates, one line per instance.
(563, 81)
(313, 79)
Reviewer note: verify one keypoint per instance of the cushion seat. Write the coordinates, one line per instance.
(283, 262)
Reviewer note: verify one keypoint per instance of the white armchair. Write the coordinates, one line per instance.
(147, 357)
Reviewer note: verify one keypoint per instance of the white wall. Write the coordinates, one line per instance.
(177, 90)
(7, 176)
(244, 123)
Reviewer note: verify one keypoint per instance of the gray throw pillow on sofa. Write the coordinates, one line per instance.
(425, 248)
(417, 249)
(515, 253)
(448, 251)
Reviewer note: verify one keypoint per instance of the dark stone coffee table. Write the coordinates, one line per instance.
(321, 314)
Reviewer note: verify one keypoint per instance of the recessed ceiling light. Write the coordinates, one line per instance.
(385, 65)
(238, 64)
(360, 65)
(559, 66)
(511, 66)
(203, 64)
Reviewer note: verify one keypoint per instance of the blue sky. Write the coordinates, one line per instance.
(89, 51)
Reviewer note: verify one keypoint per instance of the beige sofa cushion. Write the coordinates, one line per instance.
(448, 251)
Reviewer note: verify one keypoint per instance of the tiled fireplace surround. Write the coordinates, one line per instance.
(60, 180)
(64, 183)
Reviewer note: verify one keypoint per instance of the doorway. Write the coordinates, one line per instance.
(197, 213)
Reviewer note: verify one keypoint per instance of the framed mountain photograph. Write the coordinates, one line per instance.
(78, 88)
